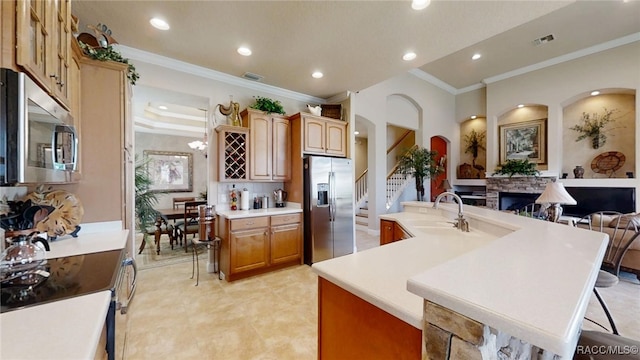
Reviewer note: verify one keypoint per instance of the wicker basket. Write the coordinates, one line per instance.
(333, 111)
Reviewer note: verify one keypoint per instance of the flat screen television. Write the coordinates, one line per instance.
(592, 199)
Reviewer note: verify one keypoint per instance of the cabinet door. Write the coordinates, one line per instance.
(281, 149)
(61, 50)
(260, 139)
(33, 26)
(386, 232)
(285, 243)
(249, 250)
(336, 139)
(314, 135)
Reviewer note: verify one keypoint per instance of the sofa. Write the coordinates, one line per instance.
(628, 226)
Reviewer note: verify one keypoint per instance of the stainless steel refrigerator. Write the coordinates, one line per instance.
(328, 208)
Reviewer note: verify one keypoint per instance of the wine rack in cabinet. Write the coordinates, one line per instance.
(233, 150)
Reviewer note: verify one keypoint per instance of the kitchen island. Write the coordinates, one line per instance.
(64, 329)
(528, 278)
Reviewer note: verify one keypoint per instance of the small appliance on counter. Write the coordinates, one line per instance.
(280, 196)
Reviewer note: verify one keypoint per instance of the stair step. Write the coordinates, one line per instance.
(362, 220)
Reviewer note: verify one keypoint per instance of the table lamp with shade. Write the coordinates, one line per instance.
(555, 194)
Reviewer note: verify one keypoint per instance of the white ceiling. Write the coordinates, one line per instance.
(357, 44)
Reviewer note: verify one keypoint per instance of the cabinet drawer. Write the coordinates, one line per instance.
(249, 223)
(285, 219)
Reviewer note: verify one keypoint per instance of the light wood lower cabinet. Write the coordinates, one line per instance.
(255, 245)
(249, 249)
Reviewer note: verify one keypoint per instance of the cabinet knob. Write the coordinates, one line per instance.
(54, 76)
(60, 83)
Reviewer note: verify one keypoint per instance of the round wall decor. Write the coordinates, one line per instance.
(608, 162)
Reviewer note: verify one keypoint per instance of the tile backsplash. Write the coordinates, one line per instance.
(255, 189)
(13, 192)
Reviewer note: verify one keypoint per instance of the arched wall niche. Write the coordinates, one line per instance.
(470, 167)
(601, 160)
(403, 111)
(524, 117)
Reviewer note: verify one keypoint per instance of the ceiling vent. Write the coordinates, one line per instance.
(543, 40)
(252, 76)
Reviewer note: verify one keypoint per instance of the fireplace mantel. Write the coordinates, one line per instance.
(515, 184)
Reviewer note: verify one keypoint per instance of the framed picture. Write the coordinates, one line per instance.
(524, 140)
(170, 171)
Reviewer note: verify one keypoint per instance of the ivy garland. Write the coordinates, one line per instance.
(110, 54)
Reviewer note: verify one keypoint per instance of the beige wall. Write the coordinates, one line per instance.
(360, 154)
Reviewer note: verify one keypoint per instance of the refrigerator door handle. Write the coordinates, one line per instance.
(332, 189)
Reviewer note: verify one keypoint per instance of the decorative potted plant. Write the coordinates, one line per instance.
(108, 53)
(268, 105)
(515, 166)
(474, 142)
(145, 200)
(421, 164)
(592, 126)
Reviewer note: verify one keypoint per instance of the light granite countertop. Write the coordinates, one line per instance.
(529, 278)
(65, 329)
(241, 214)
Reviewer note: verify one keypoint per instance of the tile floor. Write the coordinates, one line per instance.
(272, 316)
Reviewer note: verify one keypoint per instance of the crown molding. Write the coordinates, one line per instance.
(159, 60)
(567, 57)
(433, 80)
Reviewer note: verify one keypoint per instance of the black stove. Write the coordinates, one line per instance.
(69, 277)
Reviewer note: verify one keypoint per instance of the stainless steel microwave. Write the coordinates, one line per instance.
(38, 143)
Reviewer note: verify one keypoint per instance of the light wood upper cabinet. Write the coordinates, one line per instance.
(61, 55)
(43, 32)
(321, 135)
(269, 146)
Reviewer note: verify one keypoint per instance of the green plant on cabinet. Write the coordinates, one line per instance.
(268, 105)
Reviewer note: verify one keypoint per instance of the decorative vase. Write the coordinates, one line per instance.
(578, 172)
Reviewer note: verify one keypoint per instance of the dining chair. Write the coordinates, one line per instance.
(177, 201)
(621, 236)
(189, 224)
(159, 228)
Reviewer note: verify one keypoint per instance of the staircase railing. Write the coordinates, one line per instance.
(396, 183)
(361, 187)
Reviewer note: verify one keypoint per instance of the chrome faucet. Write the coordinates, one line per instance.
(462, 223)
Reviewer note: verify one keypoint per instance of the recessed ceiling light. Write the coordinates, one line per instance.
(162, 107)
(317, 74)
(244, 51)
(420, 4)
(159, 24)
(520, 106)
(594, 93)
(409, 56)
(473, 116)
(356, 132)
(476, 56)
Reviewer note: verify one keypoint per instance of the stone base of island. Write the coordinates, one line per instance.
(447, 294)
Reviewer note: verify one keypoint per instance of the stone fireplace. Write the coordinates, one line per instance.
(521, 185)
